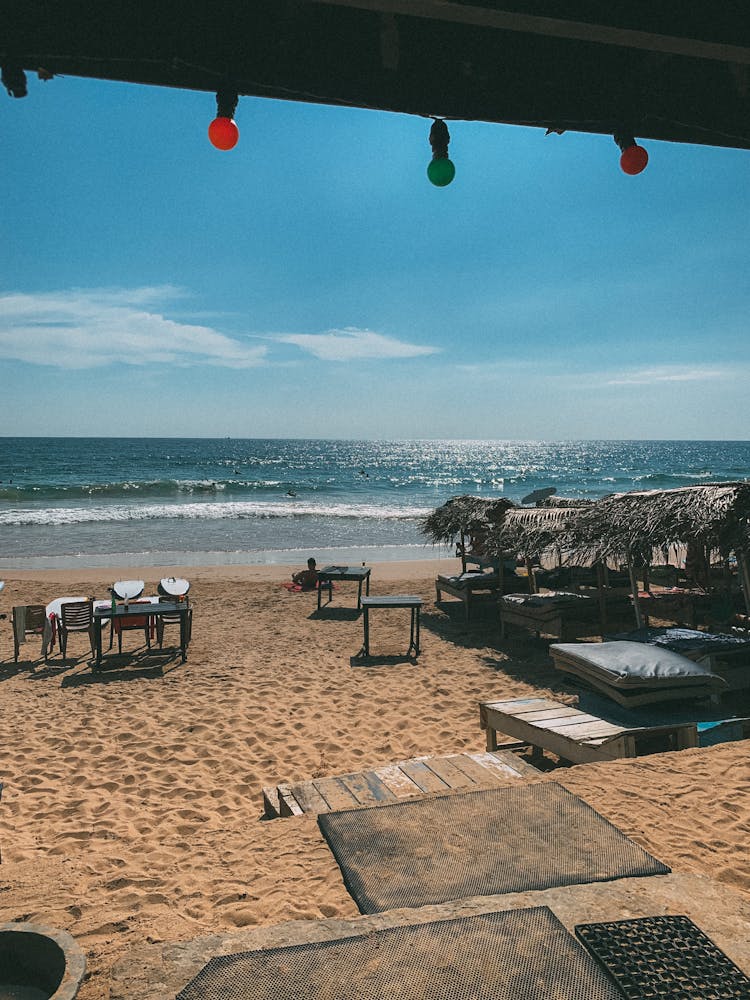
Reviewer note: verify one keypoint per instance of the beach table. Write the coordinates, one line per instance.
(103, 615)
(393, 601)
(327, 575)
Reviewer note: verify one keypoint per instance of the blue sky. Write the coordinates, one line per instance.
(313, 283)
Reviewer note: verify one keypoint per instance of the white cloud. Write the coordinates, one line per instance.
(353, 345)
(85, 328)
(666, 373)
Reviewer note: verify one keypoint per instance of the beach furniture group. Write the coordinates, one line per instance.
(125, 610)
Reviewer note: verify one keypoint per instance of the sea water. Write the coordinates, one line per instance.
(164, 501)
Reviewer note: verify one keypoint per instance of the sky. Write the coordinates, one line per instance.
(313, 283)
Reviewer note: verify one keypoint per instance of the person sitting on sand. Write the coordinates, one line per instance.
(307, 578)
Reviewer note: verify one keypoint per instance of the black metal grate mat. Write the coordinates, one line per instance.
(477, 844)
(514, 955)
(664, 958)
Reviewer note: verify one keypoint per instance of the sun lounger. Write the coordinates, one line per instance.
(598, 729)
(574, 735)
(724, 654)
(490, 578)
(635, 673)
(548, 613)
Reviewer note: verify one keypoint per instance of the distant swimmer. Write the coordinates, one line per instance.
(291, 493)
(363, 473)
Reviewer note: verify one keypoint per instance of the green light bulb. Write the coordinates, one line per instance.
(441, 171)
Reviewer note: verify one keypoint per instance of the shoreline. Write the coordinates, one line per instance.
(176, 560)
(389, 571)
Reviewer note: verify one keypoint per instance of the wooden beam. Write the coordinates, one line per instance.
(552, 27)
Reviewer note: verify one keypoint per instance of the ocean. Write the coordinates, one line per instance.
(67, 502)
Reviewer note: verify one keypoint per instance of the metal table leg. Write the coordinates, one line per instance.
(98, 635)
(366, 620)
(414, 632)
(183, 634)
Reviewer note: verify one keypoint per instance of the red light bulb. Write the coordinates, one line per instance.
(223, 133)
(634, 159)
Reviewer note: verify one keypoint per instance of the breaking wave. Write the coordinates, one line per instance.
(228, 510)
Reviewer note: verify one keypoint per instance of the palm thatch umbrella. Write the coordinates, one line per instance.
(566, 502)
(630, 526)
(624, 525)
(461, 516)
(531, 531)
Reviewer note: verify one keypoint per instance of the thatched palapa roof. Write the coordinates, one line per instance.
(530, 531)
(566, 502)
(633, 524)
(462, 516)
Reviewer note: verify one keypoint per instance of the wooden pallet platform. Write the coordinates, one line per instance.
(578, 736)
(407, 778)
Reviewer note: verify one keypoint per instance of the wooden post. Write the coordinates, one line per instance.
(533, 589)
(744, 577)
(636, 599)
(600, 584)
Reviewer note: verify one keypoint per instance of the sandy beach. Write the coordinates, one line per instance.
(131, 808)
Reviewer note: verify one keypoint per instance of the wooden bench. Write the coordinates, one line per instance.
(407, 778)
(577, 736)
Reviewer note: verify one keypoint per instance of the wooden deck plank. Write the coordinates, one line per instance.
(366, 794)
(521, 705)
(563, 712)
(451, 773)
(379, 789)
(288, 805)
(271, 804)
(310, 798)
(589, 730)
(571, 721)
(422, 776)
(336, 795)
(481, 776)
(397, 781)
(504, 763)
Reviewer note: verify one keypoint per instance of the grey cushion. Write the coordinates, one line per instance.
(635, 664)
(471, 581)
(685, 640)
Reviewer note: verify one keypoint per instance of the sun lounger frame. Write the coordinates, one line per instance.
(577, 736)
